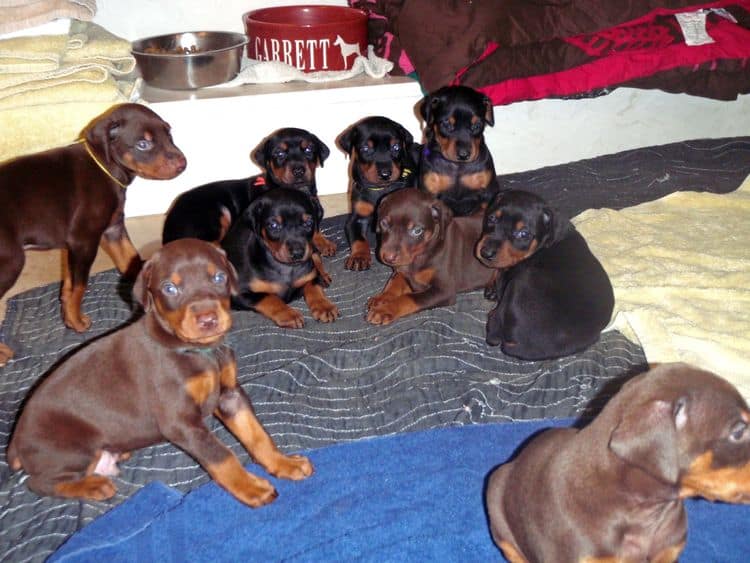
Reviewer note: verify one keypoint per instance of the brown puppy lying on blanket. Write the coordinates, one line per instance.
(613, 490)
(152, 381)
(431, 253)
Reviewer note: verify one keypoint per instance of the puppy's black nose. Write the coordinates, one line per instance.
(487, 252)
(463, 154)
(384, 173)
(298, 171)
(296, 251)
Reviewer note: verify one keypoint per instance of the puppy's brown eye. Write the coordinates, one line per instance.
(273, 226)
(170, 289)
(308, 224)
(521, 234)
(309, 150)
(144, 145)
(220, 278)
(447, 125)
(395, 149)
(365, 149)
(738, 432)
(416, 232)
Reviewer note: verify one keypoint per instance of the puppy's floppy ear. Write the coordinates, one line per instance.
(141, 292)
(646, 437)
(253, 215)
(427, 108)
(346, 140)
(260, 155)
(442, 215)
(233, 279)
(323, 150)
(101, 132)
(489, 112)
(405, 135)
(547, 215)
(548, 223)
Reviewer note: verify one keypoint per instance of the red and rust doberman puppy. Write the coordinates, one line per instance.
(455, 164)
(271, 246)
(381, 162)
(289, 158)
(153, 381)
(431, 253)
(73, 198)
(614, 490)
(553, 296)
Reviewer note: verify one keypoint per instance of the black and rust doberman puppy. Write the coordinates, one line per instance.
(153, 381)
(455, 164)
(73, 197)
(553, 295)
(381, 162)
(614, 490)
(289, 158)
(431, 253)
(271, 246)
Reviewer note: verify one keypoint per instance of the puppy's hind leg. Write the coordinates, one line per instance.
(12, 260)
(78, 266)
(72, 476)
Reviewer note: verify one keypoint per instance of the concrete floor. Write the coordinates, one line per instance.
(44, 267)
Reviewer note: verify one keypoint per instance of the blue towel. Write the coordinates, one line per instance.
(409, 497)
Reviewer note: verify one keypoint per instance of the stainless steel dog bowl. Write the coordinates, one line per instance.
(188, 60)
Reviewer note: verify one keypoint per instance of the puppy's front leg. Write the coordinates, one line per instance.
(274, 308)
(188, 433)
(116, 242)
(323, 275)
(396, 286)
(385, 312)
(320, 306)
(356, 229)
(324, 245)
(236, 412)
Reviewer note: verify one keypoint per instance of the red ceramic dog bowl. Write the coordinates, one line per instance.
(311, 38)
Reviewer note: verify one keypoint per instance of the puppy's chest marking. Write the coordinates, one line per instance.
(476, 181)
(310, 276)
(201, 386)
(364, 208)
(437, 183)
(263, 286)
